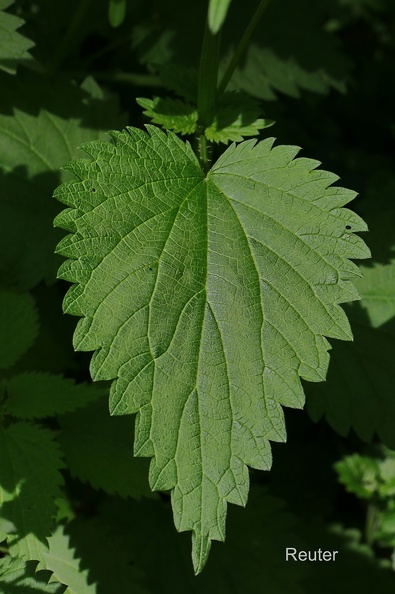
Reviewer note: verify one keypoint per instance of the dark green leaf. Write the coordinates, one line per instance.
(38, 395)
(99, 450)
(29, 483)
(18, 326)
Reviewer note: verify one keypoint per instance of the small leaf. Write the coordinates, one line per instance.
(99, 449)
(237, 116)
(61, 560)
(172, 114)
(20, 577)
(29, 483)
(359, 474)
(34, 395)
(217, 13)
(13, 46)
(116, 12)
(249, 263)
(18, 326)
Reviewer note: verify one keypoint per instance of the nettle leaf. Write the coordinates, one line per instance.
(237, 116)
(33, 395)
(61, 560)
(13, 46)
(18, 326)
(217, 10)
(359, 391)
(47, 124)
(99, 449)
(172, 114)
(29, 482)
(20, 577)
(206, 298)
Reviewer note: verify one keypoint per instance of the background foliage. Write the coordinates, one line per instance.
(76, 513)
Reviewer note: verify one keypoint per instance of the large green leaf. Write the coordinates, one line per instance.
(29, 482)
(207, 298)
(13, 46)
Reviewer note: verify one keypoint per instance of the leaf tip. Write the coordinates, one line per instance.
(201, 545)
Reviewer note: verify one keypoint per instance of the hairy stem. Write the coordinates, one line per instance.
(243, 43)
(207, 89)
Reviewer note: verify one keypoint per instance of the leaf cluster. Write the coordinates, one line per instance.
(212, 298)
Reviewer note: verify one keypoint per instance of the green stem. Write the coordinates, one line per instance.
(207, 90)
(204, 153)
(208, 75)
(370, 523)
(244, 41)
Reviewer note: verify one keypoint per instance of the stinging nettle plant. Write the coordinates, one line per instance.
(207, 289)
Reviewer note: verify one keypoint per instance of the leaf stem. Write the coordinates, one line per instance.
(244, 41)
(204, 153)
(370, 523)
(207, 89)
(208, 75)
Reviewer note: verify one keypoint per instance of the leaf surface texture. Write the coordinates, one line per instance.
(206, 299)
